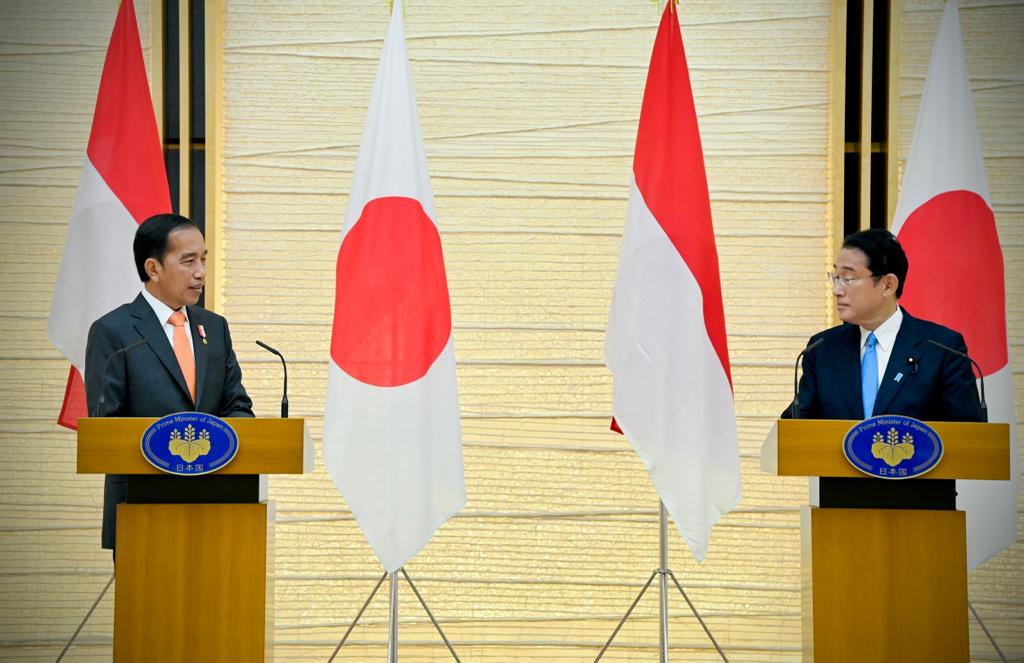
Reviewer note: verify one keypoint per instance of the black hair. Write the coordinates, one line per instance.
(884, 254)
(151, 239)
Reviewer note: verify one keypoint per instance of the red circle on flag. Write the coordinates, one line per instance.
(392, 316)
(956, 272)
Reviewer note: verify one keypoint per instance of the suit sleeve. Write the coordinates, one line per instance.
(234, 401)
(959, 390)
(110, 377)
(807, 392)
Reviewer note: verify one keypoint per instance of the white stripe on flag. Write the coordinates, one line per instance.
(97, 270)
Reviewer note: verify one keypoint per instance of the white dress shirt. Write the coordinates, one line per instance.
(885, 336)
(163, 313)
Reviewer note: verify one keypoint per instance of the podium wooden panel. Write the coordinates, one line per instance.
(884, 584)
(192, 583)
(194, 580)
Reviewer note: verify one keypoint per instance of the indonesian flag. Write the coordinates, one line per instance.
(945, 223)
(666, 345)
(392, 439)
(123, 183)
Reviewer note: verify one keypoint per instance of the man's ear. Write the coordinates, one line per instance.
(151, 266)
(891, 283)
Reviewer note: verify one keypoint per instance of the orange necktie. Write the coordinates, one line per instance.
(183, 352)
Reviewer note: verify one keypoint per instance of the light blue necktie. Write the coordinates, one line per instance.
(869, 375)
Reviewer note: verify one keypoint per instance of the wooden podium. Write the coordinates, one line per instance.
(193, 553)
(880, 582)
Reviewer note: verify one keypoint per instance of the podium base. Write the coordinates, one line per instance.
(192, 583)
(885, 585)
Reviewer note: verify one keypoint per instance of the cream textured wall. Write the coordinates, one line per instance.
(529, 114)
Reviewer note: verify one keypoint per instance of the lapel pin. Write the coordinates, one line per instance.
(899, 376)
(202, 333)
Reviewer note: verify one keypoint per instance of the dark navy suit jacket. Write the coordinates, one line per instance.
(147, 381)
(920, 381)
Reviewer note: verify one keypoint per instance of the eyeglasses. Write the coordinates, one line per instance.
(846, 281)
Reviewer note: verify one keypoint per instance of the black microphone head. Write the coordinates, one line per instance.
(132, 346)
(267, 348)
(947, 348)
(815, 344)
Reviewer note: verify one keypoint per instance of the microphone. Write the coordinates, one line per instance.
(981, 377)
(284, 399)
(101, 405)
(794, 409)
(913, 364)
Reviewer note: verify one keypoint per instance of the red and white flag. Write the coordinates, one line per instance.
(945, 223)
(392, 437)
(123, 183)
(666, 344)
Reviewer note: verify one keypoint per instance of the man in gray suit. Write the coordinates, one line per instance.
(179, 355)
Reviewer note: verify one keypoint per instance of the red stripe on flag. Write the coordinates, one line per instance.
(75, 406)
(669, 169)
(124, 145)
(956, 276)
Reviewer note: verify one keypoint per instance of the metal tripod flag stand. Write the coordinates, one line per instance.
(663, 573)
(393, 616)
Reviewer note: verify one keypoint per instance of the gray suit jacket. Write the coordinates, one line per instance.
(146, 381)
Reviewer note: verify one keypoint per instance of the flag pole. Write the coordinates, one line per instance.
(663, 579)
(393, 618)
(663, 573)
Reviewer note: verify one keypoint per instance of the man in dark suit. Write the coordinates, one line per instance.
(881, 360)
(182, 359)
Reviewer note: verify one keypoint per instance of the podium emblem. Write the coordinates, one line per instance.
(189, 443)
(892, 446)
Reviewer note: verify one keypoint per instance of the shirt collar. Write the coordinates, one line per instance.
(162, 311)
(886, 332)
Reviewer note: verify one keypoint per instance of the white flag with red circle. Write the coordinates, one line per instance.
(944, 221)
(392, 436)
(123, 183)
(666, 343)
